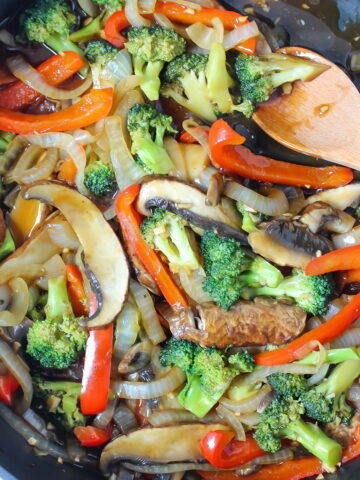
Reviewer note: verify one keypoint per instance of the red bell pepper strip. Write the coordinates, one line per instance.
(55, 71)
(181, 14)
(186, 137)
(130, 220)
(76, 290)
(291, 469)
(92, 106)
(347, 258)
(8, 385)
(222, 451)
(95, 383)
(227, 151)
(325, 333)
(91, 436)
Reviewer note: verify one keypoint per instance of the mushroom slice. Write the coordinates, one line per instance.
(164, 445)
(341, 197)
(187, 201)
(104, 256)
(322, 216)
(287, 244)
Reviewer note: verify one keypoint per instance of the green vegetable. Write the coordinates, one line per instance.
(151, 47)
(147, 128)
(56, 340)
(59, 402)
(311, 293)
(209, 372)
(8, 245)
(288, 384)
(99, 53)
(260, 76)
(166, 232)
(250, 218)
(229, 270)
(326, 402)
(50, 22)
(5, 139)
(100, 179)
(332, 356)
(282, 419)
(111, 5)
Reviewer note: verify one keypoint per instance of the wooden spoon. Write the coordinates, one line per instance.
(320, 118)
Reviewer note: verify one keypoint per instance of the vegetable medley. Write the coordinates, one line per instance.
(171, 300)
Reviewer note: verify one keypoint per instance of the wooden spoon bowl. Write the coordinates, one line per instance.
(320, 118)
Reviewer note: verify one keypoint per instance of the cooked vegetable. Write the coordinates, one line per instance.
(282, 418)
(147, 128)
(108, 265)
(288, 384)
(91, 436)
(166, 232)
(260, 76)
(343, 259)
(250, 218)
(326, 402)
(57, 340)
(59, 402)
(7, 246)
(110, 5)
(100, 178)
(99, 53)
(151, 47)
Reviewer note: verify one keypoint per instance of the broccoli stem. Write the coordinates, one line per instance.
(337, 355)
(195, 89)
(149, 73)
(341, 378)
(153, 156)
(87, 33)
(315, 441)
(193, 398)
(8, 245)
(58, 304)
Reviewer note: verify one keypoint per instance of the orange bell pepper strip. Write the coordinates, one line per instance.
(181, 14)
(296, 469)
(91, 436)
(347, 258)
(95, 383)
(55, 71)
(130, 220)
(186, 137)
(76, 291)
(325, 333)
(227, 151)
(93, 106)
(222, 451)
(67, 172)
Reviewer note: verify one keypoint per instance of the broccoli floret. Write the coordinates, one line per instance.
(147, 128)
(59, 402)
(151, 47)
(50, 22)
(166, 232)
(57, 340)
(261, 272)
(200, 83)
(99, 53)
(325, 402)
(311, 293)
(288, 384)
(111, 5)
(100, 179)
(357, 211)
(209, 372)
(250, 218)
(282, 419)
(260, 76)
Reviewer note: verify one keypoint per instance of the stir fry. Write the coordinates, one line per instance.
(172, 300)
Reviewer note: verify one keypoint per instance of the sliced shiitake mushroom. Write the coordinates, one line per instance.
(187, 201)
(288, 244)
(341, 197)
(162, 445)
(104, 255)
(322, 216)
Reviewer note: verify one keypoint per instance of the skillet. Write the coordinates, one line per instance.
(316, 28)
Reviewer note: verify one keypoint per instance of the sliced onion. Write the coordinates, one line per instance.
(336, 305)
(125, 418)
(63, 235)
(140, 353)
(149, 317)
(5, 297)
(250, 419)
(272, 458)
(249, 405)
(126, 170)
(118, 68)
(124, 86)
(83, 136)
(38, 423)
(274, 204)
(72, 148)
(110, 212)
(54, 267)
(20, 371)
(89, 7)
(156, 366)
(262, 46)
(26, 160)
(142, 390)
(127, 329)
(162, 418)
(295, 197)
(347, 239)
(103, 419)
(354, 395)
(199, 132)
(175, 153)
(192, 283)
(204, 178)
(351, 338)
(319, 376)
(261, 374)
(42, 170)
(133, 15)
(22, 70)
(233, 421)
(11, 153)
(147, 6)
(19, 303)
(204, 36)
(240, 34)
(163, 21)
